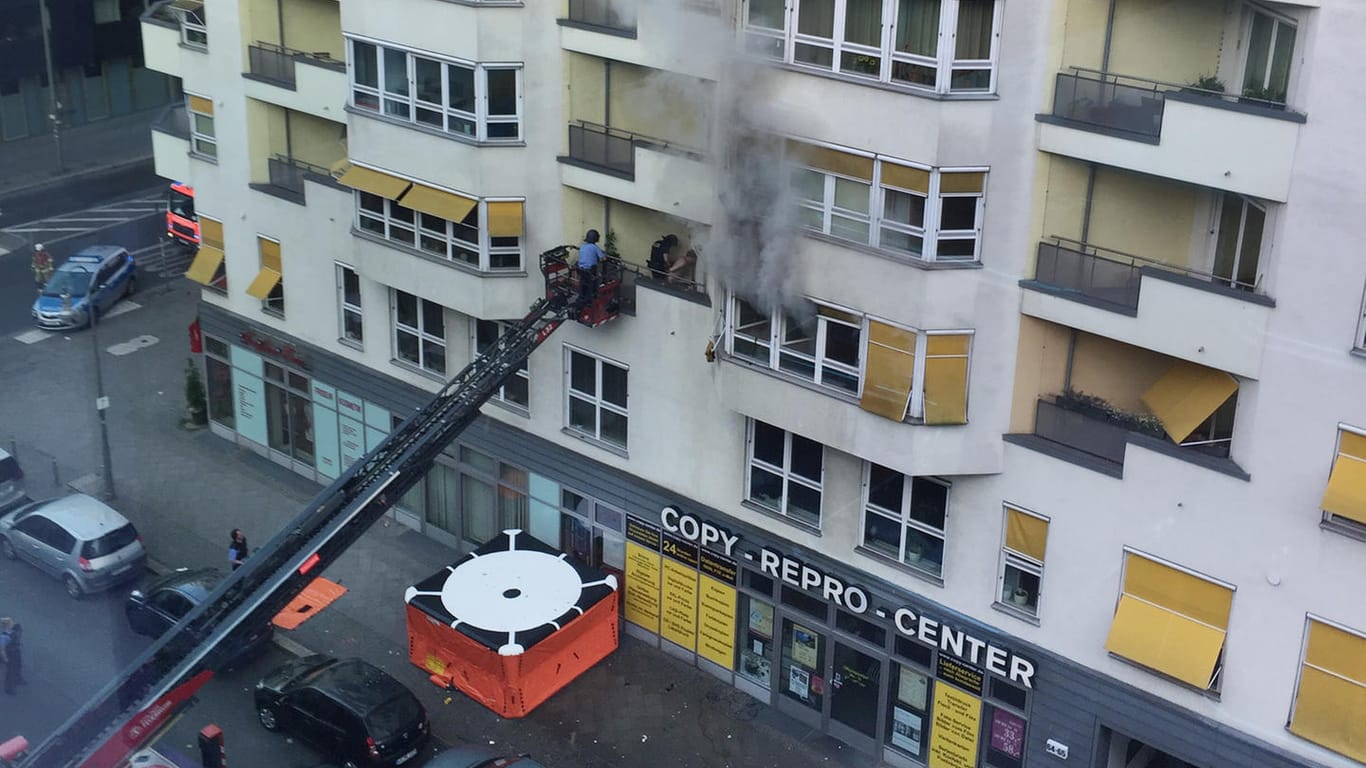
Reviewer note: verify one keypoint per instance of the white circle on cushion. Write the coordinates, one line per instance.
(511, 591)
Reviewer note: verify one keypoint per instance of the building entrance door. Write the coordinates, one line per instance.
(855, 693)
(801, 682)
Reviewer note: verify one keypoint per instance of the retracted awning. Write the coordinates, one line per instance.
(1346, 492)
(374, 182)
(205, 265)
(889, 370)
(1332, 692)
(1026, 534)
(831, 160)
(1165, 640)
(1186, 395)
(438, 203)
(505, 218)
(946, 378)
(265, 282)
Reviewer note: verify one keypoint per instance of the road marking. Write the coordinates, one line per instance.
(74, 219)
(34, 336)
(123, 308)
(132, 345)
(153, 209)
(49, 229)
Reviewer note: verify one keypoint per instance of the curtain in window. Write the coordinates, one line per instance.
(917, 27)
(863, 22)
(477, 506)
(816, 18)
(974, 29)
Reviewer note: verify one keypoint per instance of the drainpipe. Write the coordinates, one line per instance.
(607, 93)
(280, 21)
(1090, 194)
(1071, 351)
(1109, 35)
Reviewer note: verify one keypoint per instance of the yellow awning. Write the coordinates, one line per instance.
(505, 219)
(834, 161)
(946, 379)
(374, 182)
(205, 265)
(210, 232)
(270, 253)
(1189, 595)
(265, 282)
(1352, 444)
(889, 370)
(1340, 652)
(1329, 711)
(972, 181)
(907, 178)
(1346, 492)
(1026, 534)
(1165, 641)
(438, 203)
(200, 104)
(1186, 395)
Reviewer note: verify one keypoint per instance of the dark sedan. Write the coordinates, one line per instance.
(157, 607)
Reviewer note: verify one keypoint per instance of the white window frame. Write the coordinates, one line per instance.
(1239, 256)
(523, 371)
(1280, 20)
(479, 254)
(595, 398)
(1360, 342)
(403, 107)
(1343, 523)
(767, 41)
(902, 518)
(785, 473)
(420, 332)
(1019, 561)
(941, 234)
(1309, 620)
(202, 144)
(346, 309)
(194, 26)
(779, 325)
(271, 304)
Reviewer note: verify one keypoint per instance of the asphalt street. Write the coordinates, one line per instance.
(92, 189)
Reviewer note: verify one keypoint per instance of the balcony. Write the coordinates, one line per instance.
(171, 30)
(646, 34)
(1202, 137)
(638, 170)
(615, 17)
(171, 143)
(286, 176)
(313, 83)
(1203, 318)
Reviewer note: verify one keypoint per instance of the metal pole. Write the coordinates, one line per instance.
(56, 114)
(101, 403)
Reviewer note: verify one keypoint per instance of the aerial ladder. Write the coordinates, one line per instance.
(143, 700)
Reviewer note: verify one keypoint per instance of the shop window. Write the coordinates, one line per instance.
(350, 315)
(1122, 751)
(1003, 737)
(810, 605)
(786, 473)
(493, 496)
(218, 384)
(908, 716)
(861, 628)
(756, 640)
(443, 500)
(1013, 695)
(801, 674)
(419, 332)
(910, 649)
(758, 582)
(516, 391)
(289, 413)
(905, 517)
(596, 394)
(593, 532)
(1022, 557)
(1330, 695)
(1344, 500)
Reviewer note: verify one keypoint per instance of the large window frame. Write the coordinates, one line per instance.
(1019, 578)
(457, 97)
(882, 47)
(1272, 36)
(1346, 675)
(610, 423)
(350, 312)
(516, 392)
(908, 503)
(467, 242)
(1347, 456)
(203, 136)
(430, 349)
(1359, 343)
(788, 475)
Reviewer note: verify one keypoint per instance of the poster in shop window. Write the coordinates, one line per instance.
(804, 646)
(955, 725)
(1007, 733)
(906, 730)
(913, 689)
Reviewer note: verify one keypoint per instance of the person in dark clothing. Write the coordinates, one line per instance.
(237, 548)
(10, 654)
(660, 260)
(590, 257)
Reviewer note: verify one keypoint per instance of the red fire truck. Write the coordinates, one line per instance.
(182, 225)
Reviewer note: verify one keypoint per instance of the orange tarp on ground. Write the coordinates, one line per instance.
(315, 597)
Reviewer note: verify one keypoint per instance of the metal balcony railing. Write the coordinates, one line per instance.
(616, 14)
(1110, 101)
(1110, 276)
(1079, 431)
(286, 173)
(272, 62)
(603, 147)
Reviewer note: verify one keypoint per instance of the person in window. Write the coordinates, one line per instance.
(590, 259)
(661, 256)
(237, 548)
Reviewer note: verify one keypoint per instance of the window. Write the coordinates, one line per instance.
(486, 236)
(348, 305)
(904, 517)
(596, 393)
(477, 101)
(1344, 500)
(218, 382)
(916, 213)
(824, 347)
(516, 390)
(1270, 48)
(593, 532)
(420, 332)
(1238, 247)
(194, 29)
(1196, 406)
(209, 267)
(1171, 620)
(939, 46)
(1330, 694)
(203, 142)
(786, 473)
(1025, 541)
(1361, 325)
(269, 285)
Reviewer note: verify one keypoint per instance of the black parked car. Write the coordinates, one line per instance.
(157, 607)
(349, 709)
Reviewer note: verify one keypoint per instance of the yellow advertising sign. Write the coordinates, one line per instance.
(679, 617)
(642, 586)
(716, 623)
(955, 729)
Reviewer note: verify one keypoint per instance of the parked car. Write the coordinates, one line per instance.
(476, 756)
(11, 481)
(87, 285)
(78, 539)
(165, 600)
(354, 712)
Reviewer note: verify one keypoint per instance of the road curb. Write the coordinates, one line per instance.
(73, 177)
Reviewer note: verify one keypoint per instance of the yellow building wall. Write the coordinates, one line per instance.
(1143, 215)
(638, 228)
(661, 105)
(1118, 372)
(581, 211)
(1040, 368)
(265, 137)
(585, 95)
(1065, 196)
(316, 141)
(1083, 36)
(314, 26)
(260, 22)
(1175, 41)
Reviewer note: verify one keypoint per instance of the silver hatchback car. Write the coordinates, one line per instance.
(11, 482)
(78, 539)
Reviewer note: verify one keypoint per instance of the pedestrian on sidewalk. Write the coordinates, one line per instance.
(42, 266)
(237, 548)
(10, 654)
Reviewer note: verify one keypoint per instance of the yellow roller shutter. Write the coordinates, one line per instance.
(1337, 651)
(1346, 492)
(265, 282)
(831, 160)
(505, 219)
(1165, 641)
(889, 370)
(201, 105)
(902, 176)
(205, 265)
(270, 254)
(1188, 595)
(210, 232)
(1329, 711)
(1026, 533)
(438, 203)
(962, 182)
(946, 378)
(1186, 395)
(1352, 444)
(374, 182)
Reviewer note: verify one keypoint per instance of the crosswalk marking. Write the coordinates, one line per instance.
(34, 336)
(122, 308)
(38, 334)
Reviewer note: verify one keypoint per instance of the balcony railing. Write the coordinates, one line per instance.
(614, 14)
(1080, 432)
(1109, 277)
(173, 121)
(603, 147)
(275, 62)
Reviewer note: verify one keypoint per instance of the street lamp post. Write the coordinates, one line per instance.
(45, 21)
(101, 402)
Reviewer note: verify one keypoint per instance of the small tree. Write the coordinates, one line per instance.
(609, 246)
(196, 404)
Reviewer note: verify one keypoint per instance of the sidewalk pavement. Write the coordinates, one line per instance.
(31, 163)
(187, 490)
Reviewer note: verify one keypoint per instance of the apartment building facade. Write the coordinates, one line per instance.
(897, 475)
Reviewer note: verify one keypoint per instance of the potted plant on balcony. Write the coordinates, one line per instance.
(1095, 407)
(196, 404)
(1271, 98)
(1206, 84)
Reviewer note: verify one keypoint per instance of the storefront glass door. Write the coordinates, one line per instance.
(855, 682)
(801, 672)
